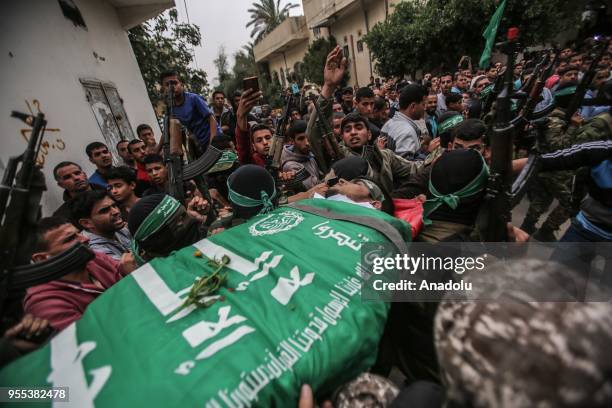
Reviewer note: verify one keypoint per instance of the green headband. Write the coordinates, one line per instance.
(244, 201)
(449, 123)
(153, 223)
(570, 90)
(452, 200)
(225, 162)
(486, 91)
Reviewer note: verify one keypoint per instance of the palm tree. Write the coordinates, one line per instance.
(249, 49)
(265, 16)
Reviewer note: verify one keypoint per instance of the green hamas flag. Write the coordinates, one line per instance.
(290, 314)
(489, 34)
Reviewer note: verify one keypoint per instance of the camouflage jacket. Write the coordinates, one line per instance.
(599, 127)
(386, 168)
(556, 134)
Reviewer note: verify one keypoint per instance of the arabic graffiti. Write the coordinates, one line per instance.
(46, 146)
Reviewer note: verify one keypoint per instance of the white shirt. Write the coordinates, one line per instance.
(344, 199)
(403, 131)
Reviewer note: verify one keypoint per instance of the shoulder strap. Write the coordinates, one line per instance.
(381, 226)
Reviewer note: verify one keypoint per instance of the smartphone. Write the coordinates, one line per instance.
(250, 83)
(332, 181)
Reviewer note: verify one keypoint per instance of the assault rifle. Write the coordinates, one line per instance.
(295, 185)
(498, 197)
(278, 141)
(173, 156)
(587, 79)
(497, 87)
(541, 73)
(172, 149)
(527, 85)
(20, 195)
(331, 150)
(521, 183)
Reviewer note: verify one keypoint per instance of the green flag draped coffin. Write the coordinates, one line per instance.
(290, 313)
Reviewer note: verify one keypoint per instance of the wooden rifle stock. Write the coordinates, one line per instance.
(541, 73)
(328, 139)
(278, 140)
(172, 149)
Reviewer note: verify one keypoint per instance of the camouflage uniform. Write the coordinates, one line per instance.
(366, 391)
(523, 353)
(548, 186)
(387, 169)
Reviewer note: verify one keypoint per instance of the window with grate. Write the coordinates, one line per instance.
(359, 46)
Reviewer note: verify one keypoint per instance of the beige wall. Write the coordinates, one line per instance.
(290, 32)
(353, 24)
(348, 21)
(293, 55)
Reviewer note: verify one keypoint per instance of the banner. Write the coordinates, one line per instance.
(290, 313)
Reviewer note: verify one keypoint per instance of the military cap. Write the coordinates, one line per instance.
(366, 391)
(521, 352)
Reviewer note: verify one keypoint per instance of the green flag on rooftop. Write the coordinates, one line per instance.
(489, 34)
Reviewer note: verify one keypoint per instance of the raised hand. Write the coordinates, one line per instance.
(335, 65)
(248, 100)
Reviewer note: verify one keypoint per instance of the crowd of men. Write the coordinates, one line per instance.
(426, 141)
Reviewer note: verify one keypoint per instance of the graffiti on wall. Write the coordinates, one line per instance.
(51, 140)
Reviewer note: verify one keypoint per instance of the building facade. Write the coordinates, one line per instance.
(72, 60)
(346, 20)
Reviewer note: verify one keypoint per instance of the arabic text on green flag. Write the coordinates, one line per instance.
(290, 314)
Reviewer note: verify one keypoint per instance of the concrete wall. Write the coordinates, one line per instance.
(290, 32)
(43, 56)
(352, 26)
(293, 55)
(346, 21)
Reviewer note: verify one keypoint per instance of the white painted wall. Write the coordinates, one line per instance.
(42, 56)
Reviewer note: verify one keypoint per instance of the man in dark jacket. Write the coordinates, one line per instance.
(297, 156)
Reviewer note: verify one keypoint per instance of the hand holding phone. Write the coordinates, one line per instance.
(250, 83)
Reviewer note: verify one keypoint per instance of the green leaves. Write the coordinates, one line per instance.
(163, 43)
(266, 16)
(315, 58)
(434, 34)
(207, 285)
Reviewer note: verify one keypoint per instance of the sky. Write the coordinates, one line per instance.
(221, 22)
